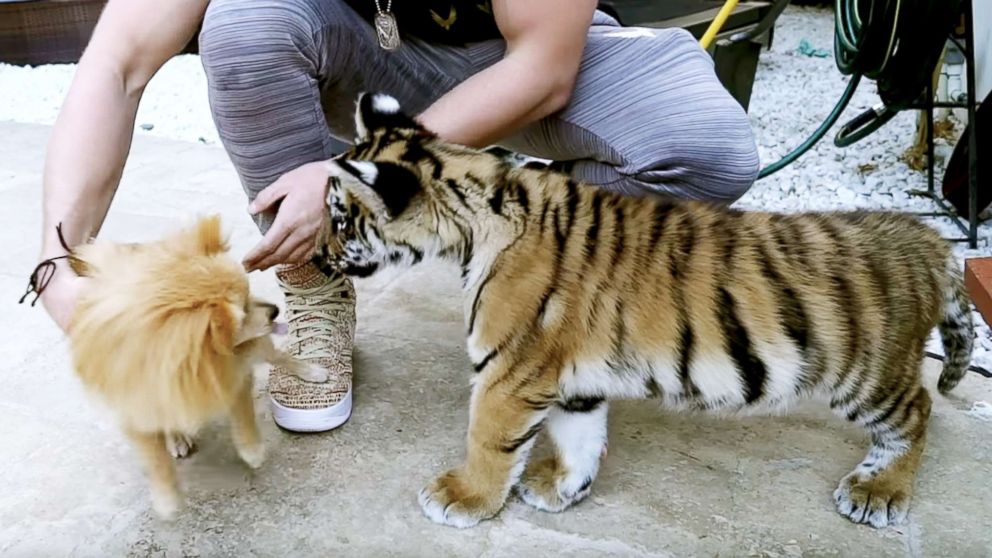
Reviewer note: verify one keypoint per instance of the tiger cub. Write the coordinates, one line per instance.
(574, 295)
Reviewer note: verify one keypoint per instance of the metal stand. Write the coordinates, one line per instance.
(969, 229)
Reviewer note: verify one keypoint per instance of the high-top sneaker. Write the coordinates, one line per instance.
(321, 316)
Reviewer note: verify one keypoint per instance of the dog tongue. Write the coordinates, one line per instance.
(280, 328)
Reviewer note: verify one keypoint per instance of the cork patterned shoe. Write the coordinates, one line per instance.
(321, 316)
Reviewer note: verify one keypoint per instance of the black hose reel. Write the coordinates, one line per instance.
(897, 43)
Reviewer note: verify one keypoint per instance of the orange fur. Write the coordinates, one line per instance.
(166, 335)
(575, 295)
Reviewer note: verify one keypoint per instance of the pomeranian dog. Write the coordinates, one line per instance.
(166, 336)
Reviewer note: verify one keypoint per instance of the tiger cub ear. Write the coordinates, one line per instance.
(378, 110)
(385, 189)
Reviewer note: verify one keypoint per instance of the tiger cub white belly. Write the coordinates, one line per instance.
(713, 382)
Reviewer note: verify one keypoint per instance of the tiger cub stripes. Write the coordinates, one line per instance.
(574, 296)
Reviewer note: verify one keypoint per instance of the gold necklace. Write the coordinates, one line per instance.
(385, 27)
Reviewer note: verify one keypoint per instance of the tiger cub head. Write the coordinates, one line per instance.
(400, 194)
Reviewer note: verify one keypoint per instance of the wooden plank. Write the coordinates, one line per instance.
(978, 281)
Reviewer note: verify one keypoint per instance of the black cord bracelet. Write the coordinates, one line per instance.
(44, 271)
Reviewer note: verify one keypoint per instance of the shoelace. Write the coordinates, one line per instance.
(317, 311)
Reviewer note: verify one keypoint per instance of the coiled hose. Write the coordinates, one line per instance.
(897, 43)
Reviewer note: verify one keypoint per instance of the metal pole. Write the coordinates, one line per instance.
(930, 137)
(969, 37)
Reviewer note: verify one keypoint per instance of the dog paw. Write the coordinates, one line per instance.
(874, 501)
(546, 486)
(449, 500)
(179, 445)
(166, 504)
(253, 455)
(312, 373)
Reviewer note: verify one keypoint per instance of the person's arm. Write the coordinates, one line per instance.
(545, 40)
(92, 135)
(534, 79)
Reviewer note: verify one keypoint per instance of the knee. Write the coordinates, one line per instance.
(722, 169)
(722, 178)
(241, 38)
(736, 176)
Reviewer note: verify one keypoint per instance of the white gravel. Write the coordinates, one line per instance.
(174, 104)
(792, 94)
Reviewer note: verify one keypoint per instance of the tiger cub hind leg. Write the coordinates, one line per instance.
(577, 428)
(878, 491)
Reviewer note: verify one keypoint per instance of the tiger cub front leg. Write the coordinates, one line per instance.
(577, 428)
(502, 429)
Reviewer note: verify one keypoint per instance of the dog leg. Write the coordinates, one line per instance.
(244, 429)
(179, 445)
(159, 467)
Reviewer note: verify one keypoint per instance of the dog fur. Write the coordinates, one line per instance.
(166, 335)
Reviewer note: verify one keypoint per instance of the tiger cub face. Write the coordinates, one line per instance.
(365, 231)
(389, 201)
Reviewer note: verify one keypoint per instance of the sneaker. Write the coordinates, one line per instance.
(321, 316)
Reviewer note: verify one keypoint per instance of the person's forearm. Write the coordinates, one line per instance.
(86, 155)
(495, 103)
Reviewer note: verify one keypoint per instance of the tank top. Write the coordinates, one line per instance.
(454, 22)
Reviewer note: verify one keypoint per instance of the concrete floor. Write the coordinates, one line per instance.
(672, 486)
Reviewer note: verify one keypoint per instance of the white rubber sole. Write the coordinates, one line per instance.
(312, 420)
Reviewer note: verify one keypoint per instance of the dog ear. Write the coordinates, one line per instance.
(378, 110)
(192, 347)
(385, 189)
(207, 236)
(223, 329)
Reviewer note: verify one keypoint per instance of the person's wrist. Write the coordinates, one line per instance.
(49, 272)
(60, 265)
(59, 272)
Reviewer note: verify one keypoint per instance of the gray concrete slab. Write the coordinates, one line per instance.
(672, 486)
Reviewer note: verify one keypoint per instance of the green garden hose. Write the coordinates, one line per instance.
(818, 134)
(898, 44)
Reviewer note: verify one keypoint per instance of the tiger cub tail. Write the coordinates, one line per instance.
(956, 329)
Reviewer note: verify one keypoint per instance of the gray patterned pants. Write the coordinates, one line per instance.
(648, 114)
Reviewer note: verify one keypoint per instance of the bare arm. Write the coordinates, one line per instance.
(92, 134)
(545, 40)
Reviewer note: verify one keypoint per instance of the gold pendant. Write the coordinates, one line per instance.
(386, 31)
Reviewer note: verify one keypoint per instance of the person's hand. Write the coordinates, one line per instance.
(62, 293)
(290, 239)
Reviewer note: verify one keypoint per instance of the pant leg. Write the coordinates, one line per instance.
(649, 116)
(283, 76)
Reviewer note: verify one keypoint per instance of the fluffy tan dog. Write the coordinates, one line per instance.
(166, 335)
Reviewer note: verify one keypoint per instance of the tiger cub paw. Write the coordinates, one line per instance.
(547, 486)
(879, 501)
(452, 500)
